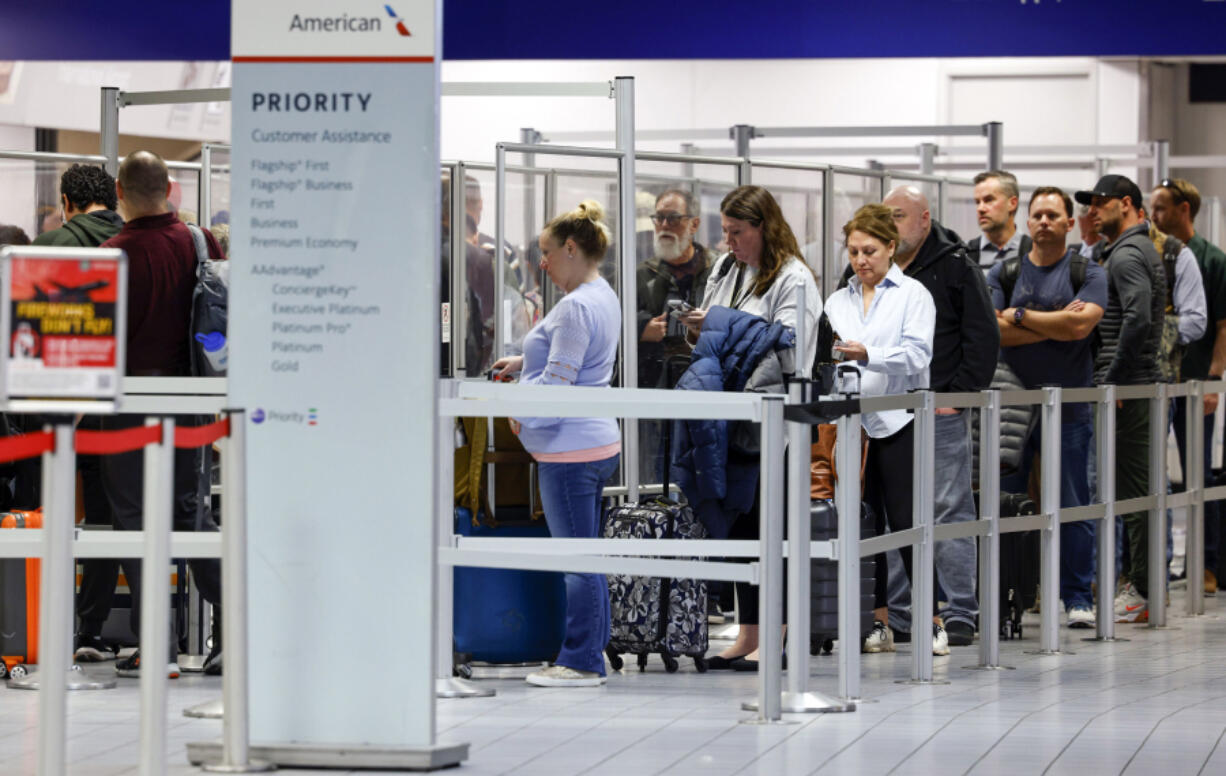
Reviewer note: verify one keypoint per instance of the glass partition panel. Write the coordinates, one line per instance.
(799, 194)
(185, 194)
(219, 189)
(29, 196)
(959, 209)
(851, 191)
(522, 303)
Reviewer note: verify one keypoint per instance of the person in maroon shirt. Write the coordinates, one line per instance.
(161, 278)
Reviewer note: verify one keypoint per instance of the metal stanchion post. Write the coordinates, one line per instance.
(989, 543)
(923, 557)
(1194, 484)
(55, 601)
(847, 499)
(57, 587)
(235, 745)
(1049, 580)
(445, 684)
(770, 593)
(1104, 440)
(158, 508)
(1159, 428)
(797, 697)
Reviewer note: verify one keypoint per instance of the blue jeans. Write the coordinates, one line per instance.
(570, 493)
(1077, 546)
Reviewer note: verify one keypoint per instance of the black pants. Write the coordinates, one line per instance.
(748, 526)
(887, 489)
(122, 478)
(98, 575)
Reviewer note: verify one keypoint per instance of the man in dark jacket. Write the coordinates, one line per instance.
(1131, 332)
(87, 195)
(965, 347)
(676, 273)
(161, 278)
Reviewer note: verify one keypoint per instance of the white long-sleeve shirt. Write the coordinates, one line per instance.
(897, 333)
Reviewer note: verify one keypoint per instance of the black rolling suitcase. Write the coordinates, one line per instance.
(824, 579)
(657, 615)
(1019, 566)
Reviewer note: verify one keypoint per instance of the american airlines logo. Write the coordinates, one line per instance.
(347, 23)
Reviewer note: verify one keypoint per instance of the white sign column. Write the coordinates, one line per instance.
(334, 354)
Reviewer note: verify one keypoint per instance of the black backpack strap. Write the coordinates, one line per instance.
(1010, 269)
(1023, 247)
(1077, 272)
(725, 266)
(1170, 257)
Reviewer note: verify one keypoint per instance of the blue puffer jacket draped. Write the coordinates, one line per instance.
(736, 351)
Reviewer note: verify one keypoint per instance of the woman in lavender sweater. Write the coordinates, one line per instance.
(575, 344)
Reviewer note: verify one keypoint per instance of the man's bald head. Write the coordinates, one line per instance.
(143, 184)
(912, 217)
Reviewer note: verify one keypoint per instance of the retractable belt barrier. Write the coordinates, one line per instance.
(652, 557)
(56, 546)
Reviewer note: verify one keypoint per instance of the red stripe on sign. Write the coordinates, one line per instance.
(26, 446)
(122, 441)
(187, 437)
(331, 59)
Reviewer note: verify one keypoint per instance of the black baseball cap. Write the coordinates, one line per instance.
(1114, 186)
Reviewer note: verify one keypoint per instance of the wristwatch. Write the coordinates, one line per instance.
(1018, 314)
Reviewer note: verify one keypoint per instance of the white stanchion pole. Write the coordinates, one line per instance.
(989, 543)
(922, 553)
(1159, 429)
(56, 600)
(1194, 485)
(1049, 580)
(445, 684)
(847, 499)
(158, 506)
(235, 743)
(770, 594)
(1104, 440)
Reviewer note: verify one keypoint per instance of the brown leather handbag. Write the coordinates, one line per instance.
(823, 473)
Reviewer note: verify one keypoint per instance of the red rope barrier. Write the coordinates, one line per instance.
(16, 448)
(112, 442)
(187, 437)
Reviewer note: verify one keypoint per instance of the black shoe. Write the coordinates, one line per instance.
(901, 636)
(718, 663)
(92, 649)
(961, 634)
(130, 667)
(212, 663)
(741, 664)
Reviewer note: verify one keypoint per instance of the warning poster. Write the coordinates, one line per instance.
(62, 329)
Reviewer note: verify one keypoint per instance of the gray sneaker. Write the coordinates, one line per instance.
(561, 676)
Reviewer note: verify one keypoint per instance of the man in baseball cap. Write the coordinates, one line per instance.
(1131, 332)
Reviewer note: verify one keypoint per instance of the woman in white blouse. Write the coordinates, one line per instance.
(761, 274)
(884, 323)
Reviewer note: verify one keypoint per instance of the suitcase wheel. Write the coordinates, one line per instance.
(18, 671)
(700, 664)
(615, 660)
(643, 662)
(670, 662)
(4, 669)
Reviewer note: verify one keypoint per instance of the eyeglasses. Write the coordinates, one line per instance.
(1175, 189)
(672, 219)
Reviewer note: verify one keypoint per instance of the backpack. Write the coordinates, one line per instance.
(1170, 352)
(1011, 269)
(210, 300)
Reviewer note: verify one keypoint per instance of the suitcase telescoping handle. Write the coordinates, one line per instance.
(667, 441)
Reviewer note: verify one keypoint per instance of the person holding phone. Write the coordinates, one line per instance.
(575, 344)
(885, 323)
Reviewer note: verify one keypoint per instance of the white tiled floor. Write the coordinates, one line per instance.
(1153, 705)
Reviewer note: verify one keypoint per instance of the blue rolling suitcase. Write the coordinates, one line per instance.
(508, 615)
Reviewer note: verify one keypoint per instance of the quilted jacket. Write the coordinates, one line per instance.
(715, 462)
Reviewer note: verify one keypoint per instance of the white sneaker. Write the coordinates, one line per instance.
(561, 676)
(881, 639)
(1125, 591)
(1131, 606)
(940, 640)
(1081, 617)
